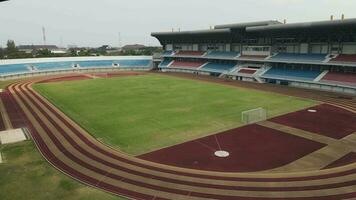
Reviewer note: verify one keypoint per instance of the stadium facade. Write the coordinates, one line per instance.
(318, 55)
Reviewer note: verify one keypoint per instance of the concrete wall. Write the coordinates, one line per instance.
(64, 59)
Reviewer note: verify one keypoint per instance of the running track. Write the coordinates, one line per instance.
(74, 152)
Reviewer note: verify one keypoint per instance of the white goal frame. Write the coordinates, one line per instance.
(254, 115)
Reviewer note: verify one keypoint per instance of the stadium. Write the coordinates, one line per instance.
(259, 110)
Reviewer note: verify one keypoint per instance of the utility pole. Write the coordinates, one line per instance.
(44, 35)
(119, 39)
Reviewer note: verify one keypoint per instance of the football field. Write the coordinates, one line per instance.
(139, 114)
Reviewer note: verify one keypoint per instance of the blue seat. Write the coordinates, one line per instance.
(53, 65)
(222, 54)
(164, 63)
(167, 53)
(133, 63)
(278, 73)
(218, 67)
(299, 57)
(13, 69)
(95, 63)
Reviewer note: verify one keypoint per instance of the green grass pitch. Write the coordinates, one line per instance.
(25, 175)
(140, 114)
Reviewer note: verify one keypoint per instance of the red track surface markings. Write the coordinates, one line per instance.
(347, 159)
(13, 111)
(67, 78)
(329, 120)
(251, 148)
(117, 74)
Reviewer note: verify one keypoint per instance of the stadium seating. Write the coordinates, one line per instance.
(253, 57)
(187, 64)
(278, 73)
(222, 54)
(218, 67)
(109, 63)
(340, 78)
(344, 59)
(53, 65)
(13, 69)
(96, 63)
(299, 57)
(190, 53)
(167, 53)
(133, 63)
(165, 63)
(247, 71)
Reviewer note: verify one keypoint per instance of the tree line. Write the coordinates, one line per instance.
(12, 52)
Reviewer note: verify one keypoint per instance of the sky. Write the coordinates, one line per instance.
(94, 23)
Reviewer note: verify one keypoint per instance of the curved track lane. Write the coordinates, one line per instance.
(73, 151)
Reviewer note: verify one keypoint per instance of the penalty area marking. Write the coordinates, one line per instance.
(222, 154)
(312, 111)
(0, 158)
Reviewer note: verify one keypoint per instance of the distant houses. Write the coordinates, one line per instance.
(34, 48)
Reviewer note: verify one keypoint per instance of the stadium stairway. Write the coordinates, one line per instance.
(321, 76)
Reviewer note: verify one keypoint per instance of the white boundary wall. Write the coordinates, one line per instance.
(65, 59)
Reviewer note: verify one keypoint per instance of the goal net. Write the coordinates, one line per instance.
(254, 115)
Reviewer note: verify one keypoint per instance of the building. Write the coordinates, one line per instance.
(133, 47)
(319, 55)
(33, 48)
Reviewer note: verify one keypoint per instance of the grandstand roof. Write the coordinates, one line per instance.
(248, 24)
(197, 32)
(305, 25)
(323, 30)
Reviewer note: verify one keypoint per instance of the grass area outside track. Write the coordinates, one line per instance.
(140, 114)
(25, 175)
(4, 84)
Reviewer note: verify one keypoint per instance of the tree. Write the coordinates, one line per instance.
(2, 53)
(73, 52)
(11, 47)
(44, 53)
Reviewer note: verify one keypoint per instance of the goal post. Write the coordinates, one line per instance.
(254, 115)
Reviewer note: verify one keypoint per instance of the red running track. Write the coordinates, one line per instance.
(74, 152)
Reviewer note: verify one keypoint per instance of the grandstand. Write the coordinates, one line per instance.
(19, 68)
(218, 67)
(14, 68)
(291, 74)
(316, 55)
(345, 59)
(187, 64)
(189, 53)
(247, 71)
(302, 57)
(340, 78)
(222, 55)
